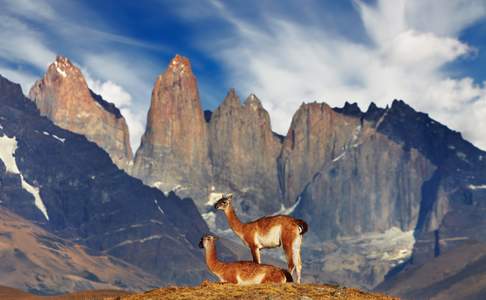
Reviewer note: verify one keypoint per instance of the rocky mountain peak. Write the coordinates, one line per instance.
(253, 102)
(351, 109)
(177, 81)
(372, 107)
(179, 73)
(180, 64)
(63, 66)
(231, 99)
(63, 71)
(174, 147)
(8, 86)
(11, 92)
(63, 96)
(311, 111)
(374, 113)
(243, 153)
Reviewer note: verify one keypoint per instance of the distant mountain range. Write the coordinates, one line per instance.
(384, 191)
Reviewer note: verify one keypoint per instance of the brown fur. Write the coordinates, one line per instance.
(291, 230)
(240, 272)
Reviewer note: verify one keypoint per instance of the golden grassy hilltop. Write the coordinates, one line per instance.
(208, 291)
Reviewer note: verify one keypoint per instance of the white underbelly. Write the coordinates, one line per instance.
(271, 239)
(257, 279)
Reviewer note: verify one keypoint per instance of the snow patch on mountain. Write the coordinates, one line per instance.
(62, 140)
(141, 241)
(210, 218)
(59, 70)
(339, 157)
(8, 146)
(477, 187)
(158, 207)
(213, 197)
(287, 211)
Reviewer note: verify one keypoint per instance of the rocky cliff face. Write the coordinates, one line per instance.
(243, 152)
(351, 179)
(453, 202)
(174, 151)
(354, 185)
(317, 135)
(63, 96)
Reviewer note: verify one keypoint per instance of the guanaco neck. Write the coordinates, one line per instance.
(233, 220)
(211, 259)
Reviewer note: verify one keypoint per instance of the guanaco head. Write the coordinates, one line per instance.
(224, 202)
(206, 240)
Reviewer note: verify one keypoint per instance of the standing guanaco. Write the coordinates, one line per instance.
(240, 272)
(268, 232)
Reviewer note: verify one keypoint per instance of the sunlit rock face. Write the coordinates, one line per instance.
(351, 179)
(173, 154)
(452, 211)
(317, 136)
(243, 152)
(63, 96)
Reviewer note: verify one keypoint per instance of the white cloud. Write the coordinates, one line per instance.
(117, 95)
(33, 32)
(21, 44)
(286, 62)
(32, 9)
(109, 90)
(133, 74)
(121, 80)
(136, 124)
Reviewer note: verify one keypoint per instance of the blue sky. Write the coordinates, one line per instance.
(431, 53)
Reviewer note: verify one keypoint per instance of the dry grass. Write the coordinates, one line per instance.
(208, 291)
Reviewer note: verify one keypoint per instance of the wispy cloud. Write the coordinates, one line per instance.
(409, 43)
(117, 95)
(33, 32)
(286, 52)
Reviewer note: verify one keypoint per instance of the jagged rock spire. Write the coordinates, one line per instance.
(63, 96)
(174, 149)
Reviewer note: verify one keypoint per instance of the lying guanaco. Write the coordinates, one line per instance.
(240, 272)
(268, 232)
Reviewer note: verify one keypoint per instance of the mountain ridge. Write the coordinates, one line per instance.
(354, 176)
